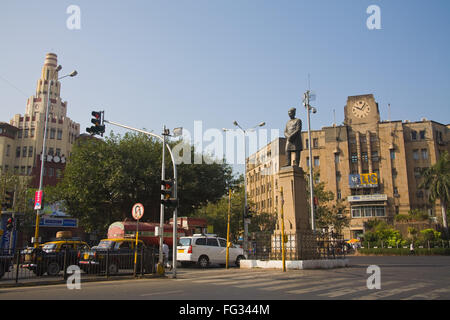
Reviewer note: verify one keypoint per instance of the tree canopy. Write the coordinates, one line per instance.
(104, 178)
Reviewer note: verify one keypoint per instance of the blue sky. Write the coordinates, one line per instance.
(149, 63)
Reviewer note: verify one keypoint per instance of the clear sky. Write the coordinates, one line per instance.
(149, 63)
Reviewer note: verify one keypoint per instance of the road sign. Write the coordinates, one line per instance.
(137, 211)
(38, 200)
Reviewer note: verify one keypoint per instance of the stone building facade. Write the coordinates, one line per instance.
(22, 139)
(373, 166)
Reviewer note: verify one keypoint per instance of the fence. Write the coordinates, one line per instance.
(31, 263)
(426, 244)
(304, 245)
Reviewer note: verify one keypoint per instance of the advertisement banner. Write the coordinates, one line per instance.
(364, 180)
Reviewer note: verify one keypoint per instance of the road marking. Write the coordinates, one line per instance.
(388, 293)
(430, 295)
(233, 276)
(318, 288)
(347, 291)
(302, 284)
(159, 293)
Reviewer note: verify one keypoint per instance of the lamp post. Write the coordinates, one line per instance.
(44, 144)
(246, 222)
(306, 99)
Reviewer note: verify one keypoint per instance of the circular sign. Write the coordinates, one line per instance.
(137, 211)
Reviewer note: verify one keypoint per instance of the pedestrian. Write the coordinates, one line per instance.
(411, 248)
(166, 255)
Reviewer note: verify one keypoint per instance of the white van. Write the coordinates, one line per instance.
(207, 249)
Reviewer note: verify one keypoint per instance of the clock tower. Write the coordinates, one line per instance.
(362, 110)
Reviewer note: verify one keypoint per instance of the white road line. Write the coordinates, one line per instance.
(301, 284)
(160, 293)
(430, 295)
(319, 288)
(347, 291)
(387, 293)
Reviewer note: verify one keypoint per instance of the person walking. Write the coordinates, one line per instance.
(166, 256)
(411, 248)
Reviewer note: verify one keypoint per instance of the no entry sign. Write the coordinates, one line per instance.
(137, 211)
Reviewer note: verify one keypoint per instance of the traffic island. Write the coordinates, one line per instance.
(295, 264)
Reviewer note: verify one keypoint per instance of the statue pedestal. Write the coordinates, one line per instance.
(300, 242)
(296, 210)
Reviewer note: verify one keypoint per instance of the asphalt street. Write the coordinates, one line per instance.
(409, 278)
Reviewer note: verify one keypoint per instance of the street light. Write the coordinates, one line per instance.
(307, 97)
(38, 212)
(245, 180)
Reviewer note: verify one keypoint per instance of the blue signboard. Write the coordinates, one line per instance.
(58, 222)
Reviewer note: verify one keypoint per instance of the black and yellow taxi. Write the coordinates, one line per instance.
(52, 256)
(112, 255)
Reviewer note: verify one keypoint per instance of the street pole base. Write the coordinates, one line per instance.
(160, 269)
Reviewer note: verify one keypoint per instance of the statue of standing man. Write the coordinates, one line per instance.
(293, 134)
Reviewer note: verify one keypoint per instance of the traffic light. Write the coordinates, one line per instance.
(8, 201)
(167, 193)
(9, 224)
(247, 213)
(98, 127)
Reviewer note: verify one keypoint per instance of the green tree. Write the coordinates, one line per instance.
(436, 179)
(328, 213)
(104, 178)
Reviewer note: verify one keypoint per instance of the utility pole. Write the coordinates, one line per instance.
(306, 100)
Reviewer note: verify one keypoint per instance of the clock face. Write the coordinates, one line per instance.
(361, 109)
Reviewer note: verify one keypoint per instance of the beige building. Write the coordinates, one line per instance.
(373, 166)
(22, 139)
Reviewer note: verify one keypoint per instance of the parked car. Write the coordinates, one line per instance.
(51, 257)
(116, 254)
(207, 249)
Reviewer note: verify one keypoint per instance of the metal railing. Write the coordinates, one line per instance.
(305, 245)
(32, 263)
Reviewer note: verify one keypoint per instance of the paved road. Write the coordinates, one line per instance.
(401, 278)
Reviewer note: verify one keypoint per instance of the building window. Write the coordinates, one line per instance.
(24, 152)
(22, 170)
(50, 151)
(364, 157)
(307, 144)
(18, 152)
(417, 172)
(392, 154)
(336, 157)
(416, 154)
(354, 157)
(414, 135)
(59, 137)
(32, 132)
(28, 170)
(339, 195)
(380, 211)
(425, 154)
(19, 134)
(307, 162)
(395, 191)
(316, 161)
(363, 139)
(367, 211)
(375, 157)
(315, 143)
(26, 133)
(422, 134)
(8, 149)
(30, 151)
(356, 212)
(58, 152)
(52, 133)
(317, 180)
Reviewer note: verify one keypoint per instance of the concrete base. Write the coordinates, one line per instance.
(295, 265)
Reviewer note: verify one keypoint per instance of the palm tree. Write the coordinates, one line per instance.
(437, 182)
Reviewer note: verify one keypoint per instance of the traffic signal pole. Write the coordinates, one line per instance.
(175, 194)
(161, 217)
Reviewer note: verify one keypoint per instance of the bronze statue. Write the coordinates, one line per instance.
(293, 134)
